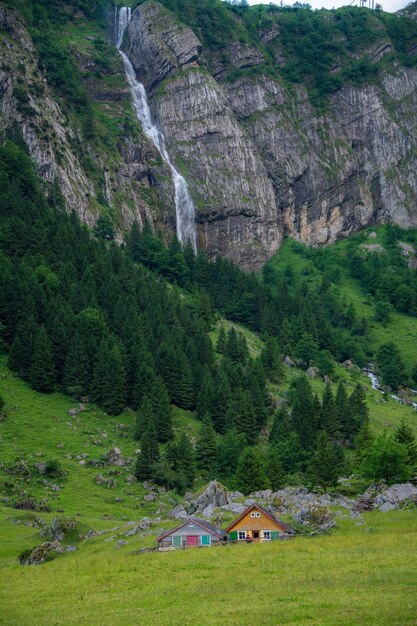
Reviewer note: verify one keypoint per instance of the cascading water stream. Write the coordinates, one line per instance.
(184, 207)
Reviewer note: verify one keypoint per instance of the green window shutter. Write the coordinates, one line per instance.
(274, 534)
(205, 540)
(176, 540)
(233, 535)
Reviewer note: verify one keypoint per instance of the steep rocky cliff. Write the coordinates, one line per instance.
(270, 141)
(261, 160)
(117, 173)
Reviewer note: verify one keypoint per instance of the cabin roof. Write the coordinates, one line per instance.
(265, 512)
(200, 522)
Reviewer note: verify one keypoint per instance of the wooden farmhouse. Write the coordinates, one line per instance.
(191, 533)
(256, 524)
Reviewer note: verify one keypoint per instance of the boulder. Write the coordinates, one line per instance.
(215, 494)
(395, 496)
(179, 512)
(289, 362)
(208, 511)
(313, 372)
(149, 497)
(121, 543)
(114, 457)
(45, 552)
(100, 480)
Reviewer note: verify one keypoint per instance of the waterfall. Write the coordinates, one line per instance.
(184, 207)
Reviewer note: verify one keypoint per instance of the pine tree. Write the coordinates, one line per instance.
(391, 365)
(21, 351)
(221, 341)
(149, 454)
(250, 472)
(359, 408)
(276, 473)
(75, 377)
(329, 417)
(228, 453)
(405, 436)
(326, 462)
(2, 405)
(42, 373)
(363, 442)
(162, 410)
(109, 384)
(282, 426)
(303, 413)
(344, 411)
(206, 448)
(272, 360)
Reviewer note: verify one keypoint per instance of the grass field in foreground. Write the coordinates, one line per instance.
(358, 575)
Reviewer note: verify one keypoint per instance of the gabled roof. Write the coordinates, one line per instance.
(200, 522)
(265, 512)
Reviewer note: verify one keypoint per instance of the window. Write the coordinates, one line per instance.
(253, 514)
(267, 534)
(241, 534)
(257, 514)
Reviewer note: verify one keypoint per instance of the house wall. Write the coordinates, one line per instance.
(257, 523)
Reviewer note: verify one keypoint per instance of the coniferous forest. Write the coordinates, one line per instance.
(128, 326)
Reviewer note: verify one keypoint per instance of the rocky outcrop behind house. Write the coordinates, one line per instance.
(263, 162)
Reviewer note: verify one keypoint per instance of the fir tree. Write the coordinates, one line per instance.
(391, 365)
(359, 408)
(303, 413)
(75, 377)
(329, 416)
(272, 360)
(326, 462)
(2, 405)
(405, 436)
(42, 373)
(276, 473)
(21, 351)
(344, 411)
(149, 454)
(250, 472)
(206, 448)
(109, 385)
(228, 453)
(221, 341)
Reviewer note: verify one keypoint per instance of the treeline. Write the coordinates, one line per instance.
(307, 445)
(309, 321)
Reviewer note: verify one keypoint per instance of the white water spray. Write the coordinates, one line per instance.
(184, 207)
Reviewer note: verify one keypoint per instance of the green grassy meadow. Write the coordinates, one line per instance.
(349, 577)
(355, 575)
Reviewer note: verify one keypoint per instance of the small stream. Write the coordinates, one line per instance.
(378, 387)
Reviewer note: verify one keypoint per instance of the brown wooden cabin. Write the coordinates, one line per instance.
(257, 524)
(191, 533)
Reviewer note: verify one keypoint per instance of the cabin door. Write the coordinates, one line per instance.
(192, 540)
(256, 534)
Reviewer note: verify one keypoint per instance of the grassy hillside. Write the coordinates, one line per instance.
(356, 576)
(401, 328)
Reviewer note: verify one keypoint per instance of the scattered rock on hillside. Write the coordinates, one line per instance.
(289, 362)
(30, 504)
(62, 529)
(149, 497)
(395, 496)
(100, 479)
(313, 372)
(121, 543)
(179, 512)
(215, 494)
(114, 457)
(319, 518)
(45, 552)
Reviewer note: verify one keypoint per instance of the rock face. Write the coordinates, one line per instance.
(129, 175)
(262, 163)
